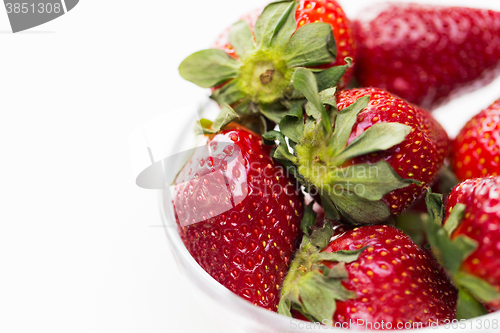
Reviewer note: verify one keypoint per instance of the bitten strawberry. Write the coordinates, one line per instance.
(428, 54)
(475, 150)
(467, 243)
(327, 11)
(255, 78)
(374, 276)
(368, 153)
(239, 214)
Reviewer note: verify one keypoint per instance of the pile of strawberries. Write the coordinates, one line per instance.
(292, 202)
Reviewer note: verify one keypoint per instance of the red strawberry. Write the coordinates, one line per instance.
(357, 150)
(428, 54)
(252, 65)
(467, 243)
(481, 222)
(475, 151)
(239, 214)
(374, 276)
(420, 156)
(327, 11)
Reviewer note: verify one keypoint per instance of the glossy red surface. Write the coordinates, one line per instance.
(239, 216)
(481, 222)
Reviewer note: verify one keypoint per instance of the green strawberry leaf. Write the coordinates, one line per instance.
(463, 247)
(284, 308)
(357, 210)
(450, 253)
(312, 111)
(478, 287)
(241, 38)
(229, 93)
(292, 125)
(338, 271)
(318, 296)
(311, 45)
(330, 77)
(209, 68)
(370, 181)
(378, 137)
(327, 97)
(344, 123)
(435, 207)
(308, 219)
(226, 116)
(286, 28)
(468, 307)
(343, 256)
(331, 211)
(281, 153)
(274, 112)
(270, 22)
(304, 81)
(454, 219)
(321, 237)
(203, 126)
(312, 288)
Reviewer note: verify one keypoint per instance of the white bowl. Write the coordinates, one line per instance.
(232, 313)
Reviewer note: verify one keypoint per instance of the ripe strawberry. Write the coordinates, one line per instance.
(369, 275)
(475, 151)
(481, 222)
(327, 11)
(239, 214)
(467, 243)
(356, 153)
(428, 54)
(420, 156)
(252, 65)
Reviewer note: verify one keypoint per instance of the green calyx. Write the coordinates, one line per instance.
(264, 78)
(310, 287)
(227, 115)
(321, 152)
(451, 253)
(259, 81)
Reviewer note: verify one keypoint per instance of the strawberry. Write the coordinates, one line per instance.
(368, 153)
(428, 54)
(251, 69)
(370, 275)
(239, 214)
(475, 150)
(327, 11)
(420, 156)
(467, 243)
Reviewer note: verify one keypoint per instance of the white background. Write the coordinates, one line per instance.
(79, 250)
